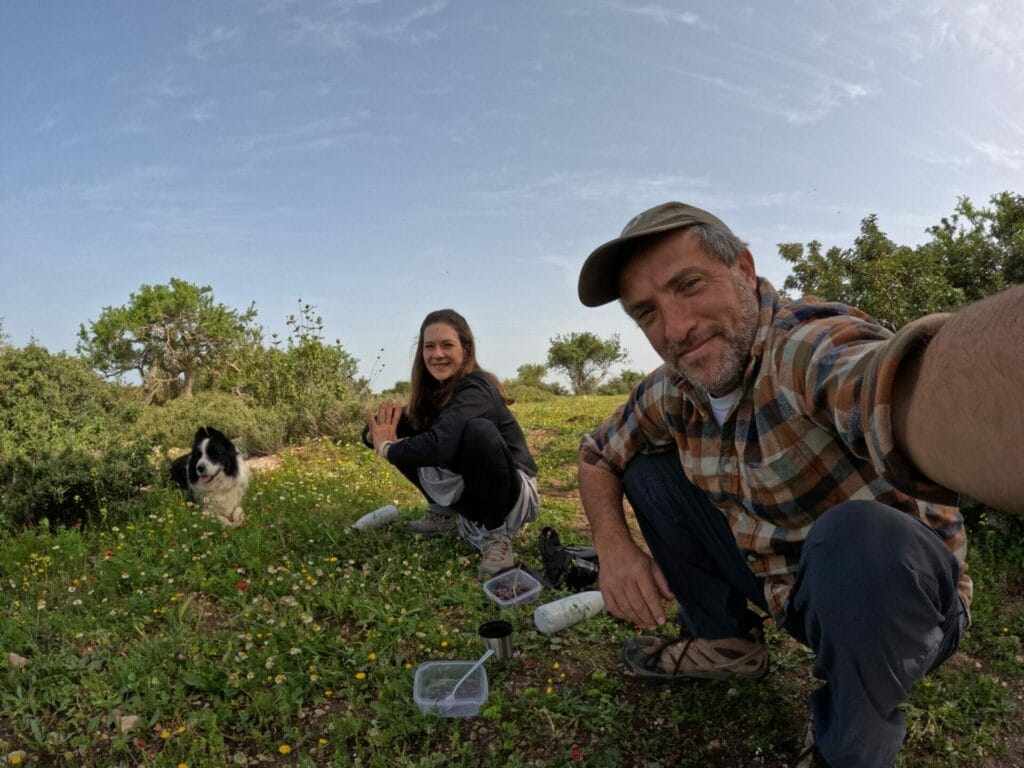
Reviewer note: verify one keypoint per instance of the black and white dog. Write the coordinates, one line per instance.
(215, 474)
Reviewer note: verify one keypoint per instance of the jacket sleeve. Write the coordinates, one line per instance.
(437, 446)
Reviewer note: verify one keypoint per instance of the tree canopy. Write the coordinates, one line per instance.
(166, 334)
(973, 253)
(585, 358)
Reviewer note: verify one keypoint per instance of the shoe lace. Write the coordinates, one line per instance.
(498, 547)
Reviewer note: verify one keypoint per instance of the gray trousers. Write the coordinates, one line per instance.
(875, 599)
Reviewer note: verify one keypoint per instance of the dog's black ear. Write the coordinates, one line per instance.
(179, 471)
(231, 460)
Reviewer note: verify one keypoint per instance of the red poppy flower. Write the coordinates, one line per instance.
(242, 586)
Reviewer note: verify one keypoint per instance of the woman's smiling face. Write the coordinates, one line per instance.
(443, 353)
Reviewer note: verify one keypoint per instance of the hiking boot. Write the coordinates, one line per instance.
(662, 660)
(496, 553)
(439, 521)
(809, 756)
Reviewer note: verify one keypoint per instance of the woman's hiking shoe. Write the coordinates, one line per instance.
(439, 521)
(664, 660)
(496, 553)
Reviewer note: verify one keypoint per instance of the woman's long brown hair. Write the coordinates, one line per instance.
(428, 396)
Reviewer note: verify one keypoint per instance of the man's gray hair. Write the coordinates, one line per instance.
(719, 243)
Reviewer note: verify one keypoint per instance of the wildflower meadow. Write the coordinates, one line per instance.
(168, 640)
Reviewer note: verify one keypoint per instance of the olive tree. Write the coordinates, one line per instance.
(585, 358)
(168, 335)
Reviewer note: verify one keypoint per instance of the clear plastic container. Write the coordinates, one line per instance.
(434, 681)
(512, 588)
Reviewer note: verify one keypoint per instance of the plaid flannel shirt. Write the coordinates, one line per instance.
(811, 429)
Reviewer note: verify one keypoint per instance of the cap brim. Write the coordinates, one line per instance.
(599, 276)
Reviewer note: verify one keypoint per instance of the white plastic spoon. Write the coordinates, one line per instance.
(451, 695)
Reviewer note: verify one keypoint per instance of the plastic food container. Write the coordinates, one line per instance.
(434, 681)
(512, 588)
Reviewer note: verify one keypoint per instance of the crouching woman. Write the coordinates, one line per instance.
(459, 443)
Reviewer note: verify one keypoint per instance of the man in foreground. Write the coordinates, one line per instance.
(798, 457)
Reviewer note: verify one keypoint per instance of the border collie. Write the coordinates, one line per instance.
(215, 474)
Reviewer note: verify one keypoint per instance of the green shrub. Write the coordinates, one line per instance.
(48, 398)
(173, 425)
(527, 393)
(67, 451)
(310, 386)
(72, 486)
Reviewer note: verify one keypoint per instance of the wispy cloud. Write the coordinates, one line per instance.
(312, 135)
(994, 28)
(935, 156)
(660, 14)
(824, 99)
(1011, 158)
(203, 111)
(336, 24)
(203, 45)
(148, 99)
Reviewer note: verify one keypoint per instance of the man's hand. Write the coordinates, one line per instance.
(633, 585)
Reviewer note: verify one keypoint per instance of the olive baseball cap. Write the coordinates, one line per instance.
(599, 277)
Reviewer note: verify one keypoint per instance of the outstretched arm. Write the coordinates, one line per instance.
(958, 407)
(631, 582)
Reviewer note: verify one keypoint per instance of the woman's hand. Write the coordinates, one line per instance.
(383, 422)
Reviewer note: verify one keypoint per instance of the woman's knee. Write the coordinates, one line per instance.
(482, 449)
(480, 434)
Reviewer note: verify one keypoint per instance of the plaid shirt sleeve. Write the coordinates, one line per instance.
(841, 370)
(640, 425)
(881, 443)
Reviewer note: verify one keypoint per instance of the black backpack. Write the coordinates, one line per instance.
(572, 567)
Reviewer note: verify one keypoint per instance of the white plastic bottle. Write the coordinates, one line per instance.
(386, 514)
(558, 614)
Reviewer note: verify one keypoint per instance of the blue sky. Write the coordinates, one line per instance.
(383, 159)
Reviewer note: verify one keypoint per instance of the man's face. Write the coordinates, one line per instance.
(700, 315)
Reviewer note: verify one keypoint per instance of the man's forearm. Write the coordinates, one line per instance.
(601, 494)
(958, 408)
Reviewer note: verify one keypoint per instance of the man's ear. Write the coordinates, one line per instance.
(746, 266)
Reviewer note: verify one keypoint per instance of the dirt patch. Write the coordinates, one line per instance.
(265, 463)
(536, 439)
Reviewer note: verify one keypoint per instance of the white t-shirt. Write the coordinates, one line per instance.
(720, 406)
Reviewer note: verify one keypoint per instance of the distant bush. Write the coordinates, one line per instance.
(527, 393)
(622, 384)
(309, 387)
(68, 448)
(173, 425)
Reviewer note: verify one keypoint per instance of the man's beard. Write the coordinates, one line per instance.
(738, 344)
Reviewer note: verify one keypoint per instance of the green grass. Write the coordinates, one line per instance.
(296, 635)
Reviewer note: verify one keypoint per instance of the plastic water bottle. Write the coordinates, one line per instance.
(386, 514)
(558, 614)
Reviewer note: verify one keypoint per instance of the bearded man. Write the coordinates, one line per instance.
(795, 460)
